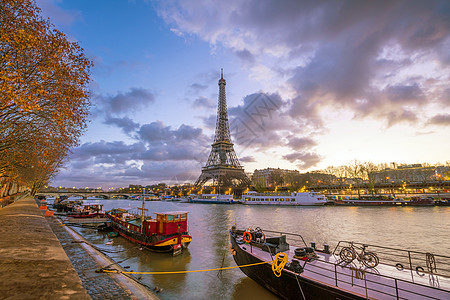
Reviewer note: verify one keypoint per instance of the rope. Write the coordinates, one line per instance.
(184, 272)
(301, 290)
(278, 263)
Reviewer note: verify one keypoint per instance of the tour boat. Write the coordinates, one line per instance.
(211, 198)
(168, 232)
(306, 198)
(302, 272)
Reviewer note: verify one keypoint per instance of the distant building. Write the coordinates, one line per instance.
(271, 177)
(410, 173)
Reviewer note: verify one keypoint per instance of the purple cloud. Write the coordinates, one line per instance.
(304, 160)
(133, 100)
(440, 119)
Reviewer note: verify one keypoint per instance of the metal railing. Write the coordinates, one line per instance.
(417, 262)
(341, 278)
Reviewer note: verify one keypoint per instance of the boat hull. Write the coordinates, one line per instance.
(211, 201)
(287, 204)
(158, 243)
(288, 285)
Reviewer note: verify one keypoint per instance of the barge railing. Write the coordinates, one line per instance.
(391, 286)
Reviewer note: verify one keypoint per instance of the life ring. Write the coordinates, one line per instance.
(245, 235)
(399, 267)
(419, 270)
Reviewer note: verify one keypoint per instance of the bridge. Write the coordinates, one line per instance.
(84, 195)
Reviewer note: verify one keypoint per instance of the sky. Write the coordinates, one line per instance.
(310, 84)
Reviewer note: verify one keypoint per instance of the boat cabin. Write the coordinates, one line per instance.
(168, 223)
(92, 207)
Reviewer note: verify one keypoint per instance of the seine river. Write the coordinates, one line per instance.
(416, 228)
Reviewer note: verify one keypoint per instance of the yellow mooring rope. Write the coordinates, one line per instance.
(207, 270)
(278, 263)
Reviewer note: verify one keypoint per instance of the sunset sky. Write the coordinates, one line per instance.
(310, 84)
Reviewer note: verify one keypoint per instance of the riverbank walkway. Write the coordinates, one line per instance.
(34, 264)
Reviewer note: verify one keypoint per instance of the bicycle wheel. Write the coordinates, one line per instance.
(370, 259)
(347, 254)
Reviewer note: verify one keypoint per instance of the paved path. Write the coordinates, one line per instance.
(87, 260)
(33, 265)
(98, 285)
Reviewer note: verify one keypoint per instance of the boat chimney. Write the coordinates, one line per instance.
(326, 248)
(313, 245)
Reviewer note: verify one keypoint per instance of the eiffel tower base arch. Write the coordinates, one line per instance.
(223, 177)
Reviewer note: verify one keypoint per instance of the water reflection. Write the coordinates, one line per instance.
(246, 288)
(417, 228)
(162, 262)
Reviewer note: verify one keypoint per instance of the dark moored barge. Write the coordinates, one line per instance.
(87, 211)
(310, 273)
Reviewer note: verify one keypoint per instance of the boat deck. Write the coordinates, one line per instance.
(382, 282)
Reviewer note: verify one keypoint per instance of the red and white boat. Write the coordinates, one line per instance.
(168, 232)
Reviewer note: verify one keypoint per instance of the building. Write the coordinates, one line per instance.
(410, 174)
(271, 177)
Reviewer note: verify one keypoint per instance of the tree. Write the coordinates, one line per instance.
(276, 178)
(355, 170)
(367, 169)
(295, 181)
(44, 99)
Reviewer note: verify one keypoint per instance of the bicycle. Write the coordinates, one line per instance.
(369, 259)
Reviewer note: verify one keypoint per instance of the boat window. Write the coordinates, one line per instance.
(183, 216)
(177, 217)
(292, 200)
(169, 217)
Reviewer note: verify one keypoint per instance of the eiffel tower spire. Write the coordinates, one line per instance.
(223, 165)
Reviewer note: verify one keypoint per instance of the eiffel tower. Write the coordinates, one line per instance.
(223, 165)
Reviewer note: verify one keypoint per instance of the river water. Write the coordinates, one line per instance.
(416, 228)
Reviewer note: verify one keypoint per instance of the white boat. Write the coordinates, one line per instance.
(167, 198)
(148, 197)
(211, 198)
(306, 198)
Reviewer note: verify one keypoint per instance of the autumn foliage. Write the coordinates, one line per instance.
(44, 100)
